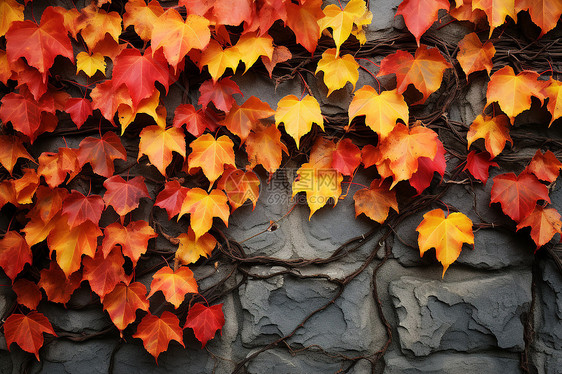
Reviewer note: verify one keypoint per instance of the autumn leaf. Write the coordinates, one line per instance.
(445, 234)
(123, 301)
(338, 70)
(264, 147)
(240, 186)
(544, 224)
(419, 15)
(195, 121)
(171, 198)
(427, 167)
(26, 186)
(12, 149)
(94, 23)
(150, 106)
(27, 292)
(252, 46)
(544, 13)
(518, 195)
(545, 166)
(103, 273)
(79, 109)
(14, 254)
(375, 202)
(124, 196)
(473, 56)
(133, 239)
(10, 11)
(217, 59)
(191, 249)
(100, 153)
(241, 119)
(49, 202)
(173, 284)
(27, 331)
(424, 70)
(202, 207)
(280, 54)
(496, 11)
(211, 155)
(494, 131)
(205, 321)
(142, 17)
(157, 332)
(79, 208)
(158, 144)
(478, 165)
(54, 167)
(553, 91)
(56, 285)
(381, 111)
(222, 12)
(346, 157)
(90, 64)
(219, 93)
(303, 18)
(298, 115)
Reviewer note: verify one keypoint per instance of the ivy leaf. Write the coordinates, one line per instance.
(191, 249)
(133, 239)
(100, 153)
(338, 70)
(156, 333)
(219, 93)
(478, 165)
(545, 166)
(173, 284)
(518, 195)
(280, 54)
(103, 273)
(419, 15)
(303, 18)
(27, 292)
(108, 98)
(79, 109)
(240, 186)
(171, 198)
(195, 121)
(544, 13)
(424, 70)
(142, 17)
(445, 234)
(10, 11)
(54, 167)
(544, 224)
(211, 155)
(205, 321)
(375, 202)
(124, 196)
(49, 202)
(158, 144)
(90, 64)
(14, 254)
(346, 157)
(79, 208)
(252, 46)
(217, 59)
(494, 131)
(12, 149)
(473, 56)
(57, 286)
(554, 94)
(264, 147)
(202, 207)
(94, 23)
(123, 301)
(241, 119)
(381, 111)
(150, 106)
(422, 178)
(27, 331)
(298, 115)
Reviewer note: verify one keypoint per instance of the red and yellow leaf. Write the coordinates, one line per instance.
(173, 284)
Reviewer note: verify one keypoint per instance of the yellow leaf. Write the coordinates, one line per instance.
(218, 60)
(251, 46)
(494, 131)
(90, 64)
(298, 115)
(149, 106)
(190, 249)
(211, 155)
(10, 11)
(158, 144)
(202, 207)
(142, 17)
(94, 23)
(338, 70)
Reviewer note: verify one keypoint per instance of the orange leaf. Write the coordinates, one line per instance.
(49, 202)
(338, 70)
(142, 17)
(79, 208)
(158, 144)
(105, 272)
(240, 186)
(10, 12)
(424, 71)
(544, 224)
(252, 46)
(280, 54)
(11, 149)
(375, 202)
(496, 10)
(190, 249)
(554, 94)
(124, 196)
(173, 284)
(107, 98)
(211, 155)
(14, 254)
(473, 56)
(544, 13)
(57, 286)
(494, 131)
(427, 167)
(205, 321)
(156, 333)
(419, 15)
(446, 235)
(150, 106)
(220, 93)
(545, 166)
(100, 153)
(298, 115)
(28, 293)
(241, 119)
(54, 167)
(195, 121)
(217, 59)
(94, 23)
(518, 195)
(122, 303)
(133, 239)
(264, 147)
(203, 207)
(303, 19)
(26, 186)
(27, 331)
(171, 198)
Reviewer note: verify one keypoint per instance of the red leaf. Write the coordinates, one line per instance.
(478, 165)
(27, 292)
(14, 254)
(195, 121)
(544, 224)
(545, 166)
(104, 274)
(422, 178)
(419, 15)
(124, 196)
(100, 153)
(57, 287)
(122, 303)
(27, 331)
(303, 20)
(171, 198)
(347, 157)
(80, 208)
(79, 109)
(133, 239)
(220, 93)
(205, 321)
(156, 333)
(173, 284)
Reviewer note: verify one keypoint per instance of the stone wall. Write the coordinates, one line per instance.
(378, 308)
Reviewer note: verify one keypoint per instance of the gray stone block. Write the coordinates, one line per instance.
(549, 324)
(465, 316)
(87, 320)
(277, 361)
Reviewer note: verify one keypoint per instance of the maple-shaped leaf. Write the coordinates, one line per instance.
(211, 155)
(544, 13)
(298, 115)
(241, 119)
(139, 72)
(375, 202)
(195, 121)
(252, 46)
(403, 148)
(39, 44)
(346, 157)
(37, 230)
(264, 147)
(150, 106)
(27, 331)
(10, 12)
(28, 77)
(419, 15)
(11, 149)
(56, 285)
(133, 239)
(445, 234)
(219, 93)
(5, 68)
(205, 321)
(124, 196)
(94, 23)
(463, 12)
(79, 109)
(545, 166)
(268, 11)
(473, 56)
(49, 202)
(280, 54)
(123, 301)
(496, 11)
(79, 208)
(518, 195)
(26, 186)
(173, 284)
(177, 37)
(103, 273)
(156, 333)
(341, 20)
(303, 18)
(424, 70)
(158, 144)
(217, 59)
(494, 131)
(422, 178)
(70, 243)
(513, 92)
(338, 70)
(544, 224)
(317, 178)
(90, 64)
(553, 91)
(14, 254)
(240, 186)
(171, 198)
(478, 164)
(108, 98)
(202, 207)
(381, 111)
(27, 292)
(54, 167)
(191, 249)
(100, 153)
(142, 16)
